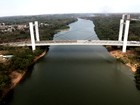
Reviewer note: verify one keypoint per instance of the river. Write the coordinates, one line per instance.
(77, 75)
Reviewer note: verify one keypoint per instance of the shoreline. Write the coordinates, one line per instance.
(16, 77)
(62, 30)
(125, 58)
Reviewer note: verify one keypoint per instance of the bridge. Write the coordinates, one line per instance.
(124, 29)
(74, 42)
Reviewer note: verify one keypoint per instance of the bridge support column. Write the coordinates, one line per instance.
(122, 24)
(32, 36)
(121, 29)
(126, 35)
(36, 31)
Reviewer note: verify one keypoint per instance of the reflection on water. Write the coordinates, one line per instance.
(77, 75)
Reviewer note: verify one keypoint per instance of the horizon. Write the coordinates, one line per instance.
(65, 14)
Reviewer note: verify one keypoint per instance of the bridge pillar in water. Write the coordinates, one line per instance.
(32, 36)
(36, 31)
(126, 35)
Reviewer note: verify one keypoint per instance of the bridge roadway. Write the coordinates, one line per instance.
(73, 42)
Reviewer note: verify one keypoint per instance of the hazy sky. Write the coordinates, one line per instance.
(33, 7)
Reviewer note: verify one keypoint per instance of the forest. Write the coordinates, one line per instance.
(107, 26)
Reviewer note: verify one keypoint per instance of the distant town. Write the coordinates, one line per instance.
(11, 28)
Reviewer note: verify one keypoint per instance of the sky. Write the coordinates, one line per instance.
(37, 7)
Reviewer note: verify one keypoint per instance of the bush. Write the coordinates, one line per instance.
(21, 60)
(3, 67)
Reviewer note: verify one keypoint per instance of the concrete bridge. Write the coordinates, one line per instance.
(124, 22)
(74, 42)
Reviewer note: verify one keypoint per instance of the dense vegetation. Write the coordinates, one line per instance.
(107, 27)
(46, 31)
(53, 27)
(41, 18)
(23, 57)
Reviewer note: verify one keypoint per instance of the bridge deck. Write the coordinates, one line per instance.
(75, 42)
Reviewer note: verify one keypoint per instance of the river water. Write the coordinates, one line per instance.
(77, 75)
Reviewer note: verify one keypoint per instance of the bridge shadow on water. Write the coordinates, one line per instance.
(137, 78)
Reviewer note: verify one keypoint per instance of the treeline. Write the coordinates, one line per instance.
(46, 31)
(107, 27)
(26, 19)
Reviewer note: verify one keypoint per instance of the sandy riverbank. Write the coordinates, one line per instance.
(127, 58)
(17, 76)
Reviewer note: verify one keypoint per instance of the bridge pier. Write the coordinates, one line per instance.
(125, 21)
(122, 23)
(32, 36)
(126, 35)
(37, 31)
(31, 26)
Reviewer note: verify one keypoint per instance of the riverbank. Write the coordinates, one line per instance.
(107, 28)
(17, 75)
(129, 58)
